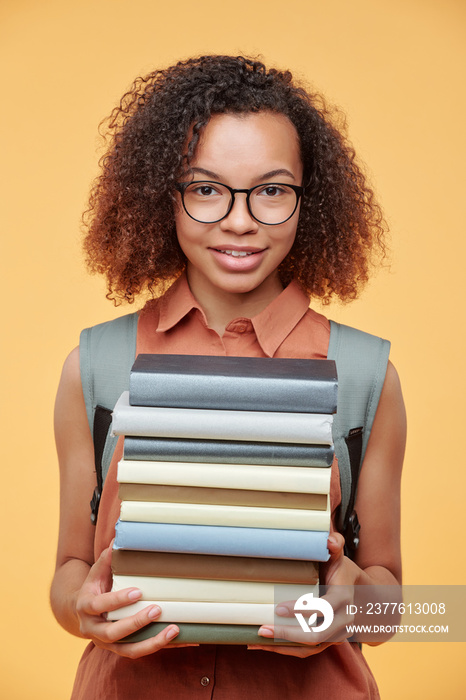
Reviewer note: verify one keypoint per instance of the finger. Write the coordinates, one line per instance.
(291, 633)
(337, 560)
(98, 628)
(148, 646)
(110, 632)
(336, 545)
(97, 604)
(285, 608)
(99, 578)
(103, 565)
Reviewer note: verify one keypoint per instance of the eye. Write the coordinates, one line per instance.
(203, 189)
(272, 191)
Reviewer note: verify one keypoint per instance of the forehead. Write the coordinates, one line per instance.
(251, 142)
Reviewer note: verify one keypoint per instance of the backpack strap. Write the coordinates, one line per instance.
(361, 361)
(107, 353)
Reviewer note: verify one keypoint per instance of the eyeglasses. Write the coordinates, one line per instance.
(271, 203)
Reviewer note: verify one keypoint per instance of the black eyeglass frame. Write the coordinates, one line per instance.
(181, 187)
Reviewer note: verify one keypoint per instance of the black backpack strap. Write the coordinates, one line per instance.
(102, 423)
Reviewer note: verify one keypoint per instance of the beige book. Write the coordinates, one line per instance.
(236, 497)
(229, 476)
(233, 516)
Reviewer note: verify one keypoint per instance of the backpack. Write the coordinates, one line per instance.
(107, 353)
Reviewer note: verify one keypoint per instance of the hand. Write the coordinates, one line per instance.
(340, 573)
(94, 600)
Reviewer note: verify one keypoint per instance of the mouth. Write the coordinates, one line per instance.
(237, 253)
(238, 259)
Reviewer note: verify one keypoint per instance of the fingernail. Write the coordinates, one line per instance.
(281, 610)
(171, 633)
(135, 594)
(265, 632)
(154, 612)
(332, 539)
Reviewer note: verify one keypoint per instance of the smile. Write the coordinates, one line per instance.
(238, 259)
(235, 253)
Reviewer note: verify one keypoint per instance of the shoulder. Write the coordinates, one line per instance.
(70, 379)
(391, 408)
(123, 325)
(69, 404)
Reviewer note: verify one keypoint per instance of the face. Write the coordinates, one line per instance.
(239, 255)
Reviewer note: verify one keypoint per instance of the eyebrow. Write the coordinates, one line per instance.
(265, 176)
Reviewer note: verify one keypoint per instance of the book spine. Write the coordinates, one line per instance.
(230, 541)
(203, 566)
(240, 476)
(307, 428)
(207, 634)
(158, 588)
(287, 394)
(237, 497)
(188, 611)
(234, 516)
(220, 451)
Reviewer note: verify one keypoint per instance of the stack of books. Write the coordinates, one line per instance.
(225, 487)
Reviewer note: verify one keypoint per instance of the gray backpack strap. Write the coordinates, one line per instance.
(107, 353)
(361, 361)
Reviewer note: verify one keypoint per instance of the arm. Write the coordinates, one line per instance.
(80, 592)
(378, 557)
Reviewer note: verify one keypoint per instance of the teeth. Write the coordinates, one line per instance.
(236, 253)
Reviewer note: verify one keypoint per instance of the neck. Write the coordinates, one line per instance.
(221, 307)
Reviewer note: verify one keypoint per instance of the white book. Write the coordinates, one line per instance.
(210, 591)
(211, 424)
(221, 613)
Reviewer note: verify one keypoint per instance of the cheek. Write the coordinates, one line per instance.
(190, 235)
(286, 238)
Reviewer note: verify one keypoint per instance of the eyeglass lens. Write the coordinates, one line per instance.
(270, 203)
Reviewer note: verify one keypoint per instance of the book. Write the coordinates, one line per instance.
(158, 588)
(188, 611)
(234, 383)
(192, 633)
(223, 451)
(235, 476)
(309, 428)
(208, 566)
(239, 497)
(235, 516)
(223, 540)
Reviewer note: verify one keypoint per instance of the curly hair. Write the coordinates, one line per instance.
(131, 235)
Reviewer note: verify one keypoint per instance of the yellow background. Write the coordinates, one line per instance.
(397, 68)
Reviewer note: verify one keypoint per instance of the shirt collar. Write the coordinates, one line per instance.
(280, 317)
(176, 303)
(272, 325)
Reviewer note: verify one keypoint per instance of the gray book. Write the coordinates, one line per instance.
(233, 452)
(234, 383)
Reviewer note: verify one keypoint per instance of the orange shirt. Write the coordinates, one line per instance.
(175, 323)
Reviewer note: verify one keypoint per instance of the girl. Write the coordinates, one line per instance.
(229, 182)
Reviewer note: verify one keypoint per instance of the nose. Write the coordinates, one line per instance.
(239, 219)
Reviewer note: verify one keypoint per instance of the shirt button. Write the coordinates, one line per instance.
(205, 681)
(241, 329)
